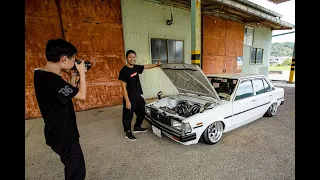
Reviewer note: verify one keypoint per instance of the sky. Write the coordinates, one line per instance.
(287, 10)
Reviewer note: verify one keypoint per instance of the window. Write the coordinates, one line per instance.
(244, 90)
(267, 86)
(248, 36)
(256, 56)
(166, 51)
(258, 86)
(223, 86)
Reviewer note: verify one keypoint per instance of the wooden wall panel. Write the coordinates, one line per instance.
(213, 64)
(230, 64)
(222, 43)
(230, 47)
(95, 28)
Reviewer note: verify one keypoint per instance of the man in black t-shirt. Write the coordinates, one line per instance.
(54, 96)
(132, 91)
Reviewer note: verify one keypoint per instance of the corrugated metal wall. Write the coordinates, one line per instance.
(95, 28)
(222, 44)
(143, 20)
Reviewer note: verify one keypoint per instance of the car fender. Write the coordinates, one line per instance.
(206, 119)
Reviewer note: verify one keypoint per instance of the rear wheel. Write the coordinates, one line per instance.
(272, 110)
(213, 133)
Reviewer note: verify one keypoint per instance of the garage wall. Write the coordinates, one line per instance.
(143, 20)
(222, 44)
(95, 28)
(261, 39)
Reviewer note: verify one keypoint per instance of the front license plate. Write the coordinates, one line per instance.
(156, 131)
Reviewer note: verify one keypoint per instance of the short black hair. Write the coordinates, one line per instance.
(129, 52)
(56, 48)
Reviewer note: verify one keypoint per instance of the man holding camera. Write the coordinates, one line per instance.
(132, 100)
(54, 96)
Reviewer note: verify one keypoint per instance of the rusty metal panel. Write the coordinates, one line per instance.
(42, 23)
(95, 28)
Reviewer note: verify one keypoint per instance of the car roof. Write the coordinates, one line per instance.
(235, 75)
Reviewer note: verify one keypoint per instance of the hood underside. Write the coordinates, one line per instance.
(189, 78)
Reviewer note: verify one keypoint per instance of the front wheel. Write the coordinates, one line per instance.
(272, 110)
(213, 133)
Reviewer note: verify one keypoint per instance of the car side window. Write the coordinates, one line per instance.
(258, 86)
(266, 85)
(245, 90)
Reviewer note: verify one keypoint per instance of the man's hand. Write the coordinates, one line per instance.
(158, 64)
(128, 104)
(81, 67)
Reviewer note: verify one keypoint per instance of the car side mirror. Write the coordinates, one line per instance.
(159, 95)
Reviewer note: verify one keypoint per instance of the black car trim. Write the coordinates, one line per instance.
(183, 138)
(246, 110)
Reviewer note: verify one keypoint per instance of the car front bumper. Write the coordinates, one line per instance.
(171, 132)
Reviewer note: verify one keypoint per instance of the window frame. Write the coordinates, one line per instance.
(238, 87)
(246, 35)
(167, 49)
(264, 88)
(254, 61)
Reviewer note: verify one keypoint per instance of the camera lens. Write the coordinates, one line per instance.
(87, 64)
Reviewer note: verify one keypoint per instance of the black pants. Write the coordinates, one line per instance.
(137, 107)
(72, 158)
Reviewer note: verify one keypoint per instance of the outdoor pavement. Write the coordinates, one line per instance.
(282, 76)
(264, 149)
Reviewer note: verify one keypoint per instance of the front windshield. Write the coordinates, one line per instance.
(223, 86)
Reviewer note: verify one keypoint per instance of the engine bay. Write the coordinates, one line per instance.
(181, 106)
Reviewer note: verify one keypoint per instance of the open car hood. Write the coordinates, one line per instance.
(189, 78)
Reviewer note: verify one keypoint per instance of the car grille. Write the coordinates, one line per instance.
(159, 117)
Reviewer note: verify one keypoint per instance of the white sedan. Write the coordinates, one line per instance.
(208, 106)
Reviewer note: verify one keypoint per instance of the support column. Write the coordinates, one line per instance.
(196, 32)
(292, 66)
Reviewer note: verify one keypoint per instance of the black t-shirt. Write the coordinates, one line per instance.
(131, 77)
(54, 96)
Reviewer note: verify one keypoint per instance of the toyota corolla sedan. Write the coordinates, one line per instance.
(209, 106)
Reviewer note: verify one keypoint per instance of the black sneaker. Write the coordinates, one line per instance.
(130, 136)
(139, 129)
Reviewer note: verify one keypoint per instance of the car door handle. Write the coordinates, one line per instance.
(253, 100)
(270, 95)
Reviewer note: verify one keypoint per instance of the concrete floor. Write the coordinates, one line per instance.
(284, 76)
(264, 149)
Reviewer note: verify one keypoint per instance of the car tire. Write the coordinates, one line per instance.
(272, 110)
(213, 133)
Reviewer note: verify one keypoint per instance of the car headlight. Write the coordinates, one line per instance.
(148, 111)
(176, 124)
(186, 128)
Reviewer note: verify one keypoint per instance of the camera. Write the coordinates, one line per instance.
(87, 64)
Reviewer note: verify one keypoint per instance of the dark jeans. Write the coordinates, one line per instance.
(137, 107)
(72, 158)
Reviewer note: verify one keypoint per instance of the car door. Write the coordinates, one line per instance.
(263, 97)
(244, 104)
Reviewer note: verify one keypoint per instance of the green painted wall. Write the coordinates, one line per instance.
(143, 20)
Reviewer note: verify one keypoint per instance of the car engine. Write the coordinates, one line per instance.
(180, 107)
(183, 108)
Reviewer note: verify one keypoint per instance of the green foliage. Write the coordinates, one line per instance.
(282, 49)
